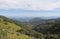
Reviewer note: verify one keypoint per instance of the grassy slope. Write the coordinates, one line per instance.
(8, 31)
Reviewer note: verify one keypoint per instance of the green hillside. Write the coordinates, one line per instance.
(14, 29)
(8, 30)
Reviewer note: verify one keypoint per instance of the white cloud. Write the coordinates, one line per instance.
(30, 4)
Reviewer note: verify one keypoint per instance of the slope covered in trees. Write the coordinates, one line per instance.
(48, 29)
(39, 29)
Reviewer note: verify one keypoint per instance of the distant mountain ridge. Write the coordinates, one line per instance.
(32, 18)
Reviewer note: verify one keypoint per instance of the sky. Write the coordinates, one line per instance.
(26, 8)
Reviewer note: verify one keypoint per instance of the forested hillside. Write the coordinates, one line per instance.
(33, 29)
(48, 29)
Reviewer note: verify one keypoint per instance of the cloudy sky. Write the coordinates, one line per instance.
(24, 8)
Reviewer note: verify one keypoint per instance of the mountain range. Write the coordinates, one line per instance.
(34, 28)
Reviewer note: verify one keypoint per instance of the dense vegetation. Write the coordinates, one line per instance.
(47, 29)
(33, 29)
(50, 28)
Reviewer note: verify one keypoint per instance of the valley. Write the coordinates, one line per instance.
(35, 28)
